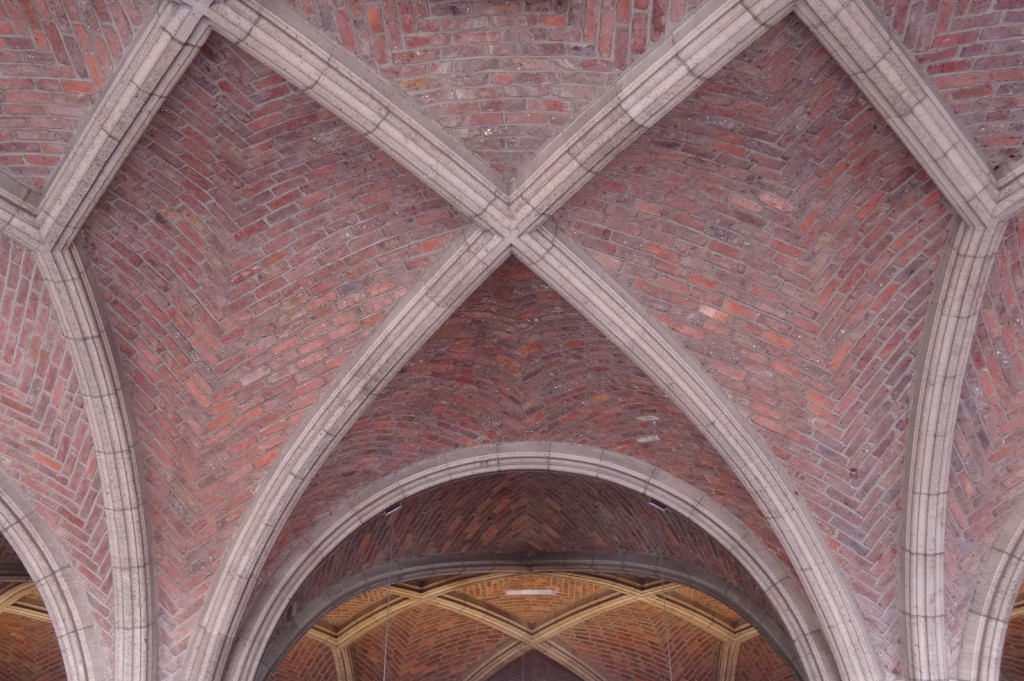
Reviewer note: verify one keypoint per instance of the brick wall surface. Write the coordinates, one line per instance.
(973, 51)
(641, 641)
(248, 244)
(514, 363)
(307, 660)
(519, 513)
(504, 75)
(29, 650)
(536, 667)
(54, 61)
(987, 471)
(758, 661)
(424, 643)
(783, 232)
(45, 445)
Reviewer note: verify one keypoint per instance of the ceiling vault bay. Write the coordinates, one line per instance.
(511, 217)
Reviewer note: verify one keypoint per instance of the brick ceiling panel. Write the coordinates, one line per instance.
(536, 667)
(308, 660)
(974, 53)
(531, 612)
(29, 650)
(758, 661)
(780, 228)
(424, 643)
(640, 640)
(45, 444)
(55, 59)
(504, 75)
(987, 471)
(516, 362)
(521, 513)
(250, 242)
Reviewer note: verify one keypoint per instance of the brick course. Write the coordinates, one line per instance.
(28, 650)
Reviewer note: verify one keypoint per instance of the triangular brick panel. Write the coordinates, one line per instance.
(247, 246)
(657, 643)
(516, 362)
(504, 75)
(776, 224)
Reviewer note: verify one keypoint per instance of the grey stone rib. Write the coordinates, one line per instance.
(1011, 190)
(797, 617)
(94, 357)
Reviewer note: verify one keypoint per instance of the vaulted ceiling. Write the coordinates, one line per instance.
(268, 269)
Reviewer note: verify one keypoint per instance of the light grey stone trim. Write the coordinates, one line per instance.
(273, 33)
(81, 315)
(781, 587)
(620, 317)
(887, 73)
(58, 584)
(705, 42)
(952, 328)
(148, 71)
(728, 653)
(992, 605)
(1011, 191)
(453, 276)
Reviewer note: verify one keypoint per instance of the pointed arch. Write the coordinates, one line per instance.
(780, 585)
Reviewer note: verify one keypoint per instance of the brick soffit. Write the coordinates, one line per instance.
(510, 217)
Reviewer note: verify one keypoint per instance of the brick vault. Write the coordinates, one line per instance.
(698, 316)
